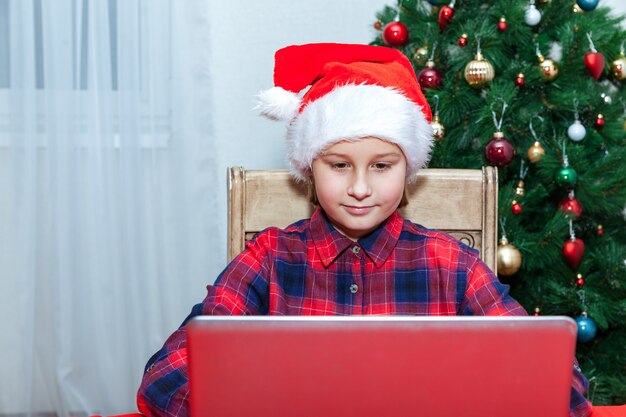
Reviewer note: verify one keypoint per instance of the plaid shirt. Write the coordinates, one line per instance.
(310, 268)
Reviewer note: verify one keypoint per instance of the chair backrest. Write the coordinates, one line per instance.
(461, 202)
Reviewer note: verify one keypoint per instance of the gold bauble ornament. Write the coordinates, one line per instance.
(509, 258)
(548, 68)
(519, 190)
(536, 152)
(618, 67)
(438, 129)
(420, 56)
(479, 71)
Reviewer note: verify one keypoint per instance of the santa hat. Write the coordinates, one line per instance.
(355, 91)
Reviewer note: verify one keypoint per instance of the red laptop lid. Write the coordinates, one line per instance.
(380, 366)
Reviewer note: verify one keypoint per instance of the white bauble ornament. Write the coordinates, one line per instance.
(532, 17)
(576, 131)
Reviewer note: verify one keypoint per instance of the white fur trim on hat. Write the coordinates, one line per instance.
(352, 112)
(277, 103)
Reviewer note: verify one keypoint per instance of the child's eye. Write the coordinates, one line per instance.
(381, 166)
(340, 166)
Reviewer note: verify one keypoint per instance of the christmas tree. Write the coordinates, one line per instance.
(536, 89)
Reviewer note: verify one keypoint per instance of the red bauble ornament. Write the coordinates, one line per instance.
(599, 124)
(519, 81)
(516, 207)
(594, 62)
(395, 34)
(499, 151)
(573, 251)
(580, 281)
(571, 206)
(445, 16)
(462, 40)
(502, 24)
(430, 77)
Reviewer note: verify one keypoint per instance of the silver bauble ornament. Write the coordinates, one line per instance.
(438, 129)
(532, 16)
(576, 131)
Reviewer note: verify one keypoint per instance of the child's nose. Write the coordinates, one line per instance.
(360, 187)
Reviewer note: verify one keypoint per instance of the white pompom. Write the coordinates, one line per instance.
(277, 103)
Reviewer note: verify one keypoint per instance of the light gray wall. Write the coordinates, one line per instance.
(618, 6)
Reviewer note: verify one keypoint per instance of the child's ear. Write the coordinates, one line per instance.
(405, 199)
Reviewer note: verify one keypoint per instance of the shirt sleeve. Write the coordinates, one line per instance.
(579, 406)
(486, 295)
(241, 289)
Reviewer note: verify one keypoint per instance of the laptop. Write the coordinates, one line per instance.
(377, 366)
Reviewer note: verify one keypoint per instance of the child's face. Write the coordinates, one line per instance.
(359, 184)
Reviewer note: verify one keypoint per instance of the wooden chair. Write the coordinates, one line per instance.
(461, 202)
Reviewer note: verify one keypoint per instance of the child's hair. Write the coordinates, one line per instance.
(333, 92)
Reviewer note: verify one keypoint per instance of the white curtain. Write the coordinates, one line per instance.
(107, 178)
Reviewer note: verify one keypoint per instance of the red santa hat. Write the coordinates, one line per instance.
(354, 91)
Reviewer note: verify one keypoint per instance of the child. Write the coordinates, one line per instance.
(358, 134)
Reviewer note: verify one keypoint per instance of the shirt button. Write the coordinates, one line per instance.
(354, 288)
(356, 250)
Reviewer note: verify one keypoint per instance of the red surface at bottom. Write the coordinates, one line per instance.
(609, 411)
(598, 411)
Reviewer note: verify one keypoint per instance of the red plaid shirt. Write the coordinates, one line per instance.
(310, 268)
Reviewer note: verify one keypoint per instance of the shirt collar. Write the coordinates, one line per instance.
(330, 243)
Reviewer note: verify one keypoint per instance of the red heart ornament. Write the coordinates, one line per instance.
(594, 62)
(573, 252)
(445, 16)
